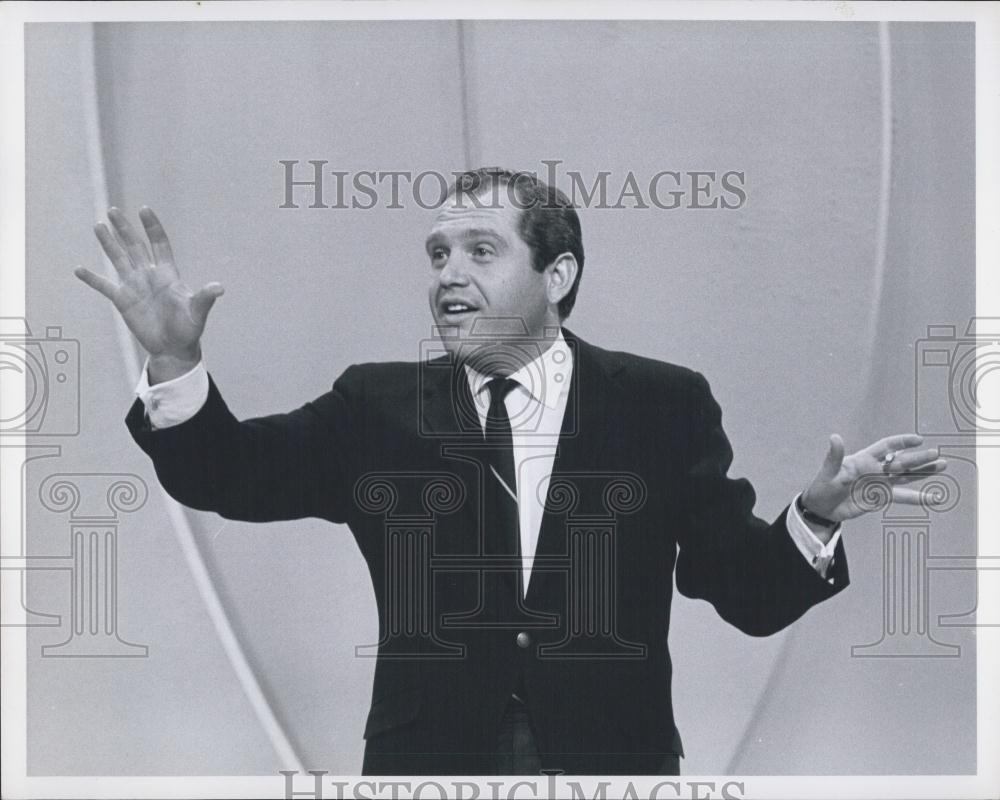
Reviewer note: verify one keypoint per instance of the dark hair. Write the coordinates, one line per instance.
(549, 224)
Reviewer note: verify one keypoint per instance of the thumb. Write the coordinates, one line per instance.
(834, 458)
(204, 299)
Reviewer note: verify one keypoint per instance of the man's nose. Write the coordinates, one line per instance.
(454, 272)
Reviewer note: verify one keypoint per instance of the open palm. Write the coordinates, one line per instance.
(833, 493)
(165, 316)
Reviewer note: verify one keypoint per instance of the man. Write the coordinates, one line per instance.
(521, 500)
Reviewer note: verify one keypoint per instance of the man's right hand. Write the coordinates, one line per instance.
(158, 307)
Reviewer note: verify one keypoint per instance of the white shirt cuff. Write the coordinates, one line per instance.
(812, 548)
(175, 401)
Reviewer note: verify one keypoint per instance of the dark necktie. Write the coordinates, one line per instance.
(502, 536)
(503, 590)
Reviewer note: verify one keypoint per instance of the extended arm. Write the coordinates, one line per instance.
(752, 572)
(283, 466)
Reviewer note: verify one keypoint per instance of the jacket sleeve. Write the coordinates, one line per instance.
(277, 467)
(750, 571)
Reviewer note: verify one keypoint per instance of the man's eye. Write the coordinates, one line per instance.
(438, 256)
(483, 251)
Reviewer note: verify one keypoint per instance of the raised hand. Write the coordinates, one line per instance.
(894, 459)
(165, 316)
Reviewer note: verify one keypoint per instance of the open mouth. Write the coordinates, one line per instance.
(456, 309)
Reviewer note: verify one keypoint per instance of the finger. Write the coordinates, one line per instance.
(890, 444)
(162, 254)
(915, 497)
(116, 255)
(921, 472)
(834, 458)
(204, 299)
(134, 246)
(906, 462)
(104, 285)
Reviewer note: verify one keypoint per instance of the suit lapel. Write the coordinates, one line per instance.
(592, 394)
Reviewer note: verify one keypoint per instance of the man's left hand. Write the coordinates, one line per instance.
(894, 458)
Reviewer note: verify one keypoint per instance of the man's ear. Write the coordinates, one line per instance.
(561, 276)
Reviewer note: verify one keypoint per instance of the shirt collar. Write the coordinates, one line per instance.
(544, 378)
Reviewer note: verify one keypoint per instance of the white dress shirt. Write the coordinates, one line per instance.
(535, 407)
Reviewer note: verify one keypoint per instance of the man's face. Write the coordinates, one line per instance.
(482, 279)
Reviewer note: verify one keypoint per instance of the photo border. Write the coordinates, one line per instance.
(14, 15)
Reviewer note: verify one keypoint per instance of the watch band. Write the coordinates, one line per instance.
(809, 516)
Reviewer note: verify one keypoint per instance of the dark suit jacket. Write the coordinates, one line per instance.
(639, 487)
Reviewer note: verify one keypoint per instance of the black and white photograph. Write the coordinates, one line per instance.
(512, 400)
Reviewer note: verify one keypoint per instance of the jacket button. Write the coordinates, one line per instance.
(523, 640)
